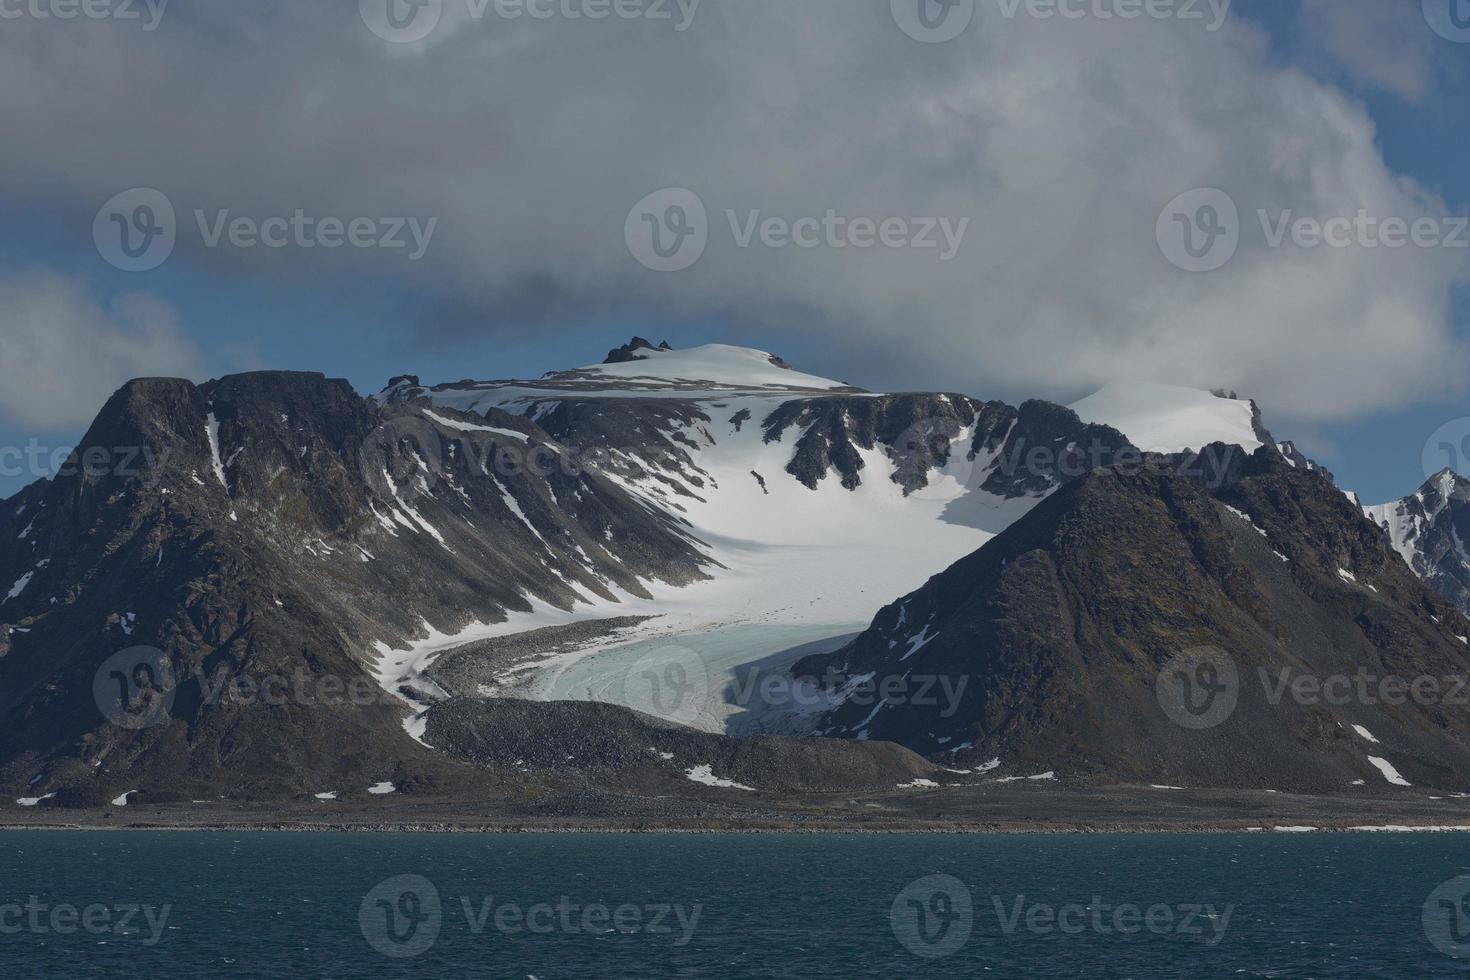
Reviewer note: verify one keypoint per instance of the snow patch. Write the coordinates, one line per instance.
(1389, 772)
(706, 775)
(1161, 418)
(212, 430)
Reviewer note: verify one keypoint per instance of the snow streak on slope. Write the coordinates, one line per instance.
(1169, 419)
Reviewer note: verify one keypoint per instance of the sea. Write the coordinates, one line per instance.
(722, 906)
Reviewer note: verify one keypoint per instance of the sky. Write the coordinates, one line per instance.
(1006, 198)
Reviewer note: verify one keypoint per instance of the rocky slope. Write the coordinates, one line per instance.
(1073, 627)
(268, 529)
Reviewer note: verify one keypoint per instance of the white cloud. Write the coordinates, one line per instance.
(62, 355)
(1382, 44)
(1060, 140)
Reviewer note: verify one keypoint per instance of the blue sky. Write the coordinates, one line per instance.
(368, 320)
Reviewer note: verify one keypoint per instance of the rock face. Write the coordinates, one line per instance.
(624, 354)
(1058, 633)
(1429, 529)
(269, 529)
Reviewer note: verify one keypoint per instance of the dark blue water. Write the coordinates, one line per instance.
(731, 906)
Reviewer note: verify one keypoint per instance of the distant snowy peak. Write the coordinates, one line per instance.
(719, 365)
(1430, 529)
(636, 370)
(1170, 419)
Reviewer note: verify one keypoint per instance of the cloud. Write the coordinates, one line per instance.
(1060, 140)
(1377, 43)
(62, 354)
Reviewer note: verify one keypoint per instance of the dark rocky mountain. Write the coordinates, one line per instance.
(274, 527)
(1063, 625)
(1429, 529)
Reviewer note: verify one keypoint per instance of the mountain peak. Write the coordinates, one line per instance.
(636, 349)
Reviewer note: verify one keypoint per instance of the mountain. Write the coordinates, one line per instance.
(269, 586)
(274, 527)
(1429, 529)
(210, 552)
(1065, 624)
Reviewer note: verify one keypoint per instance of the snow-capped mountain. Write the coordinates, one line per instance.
(464, 544)
(1429, 529)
